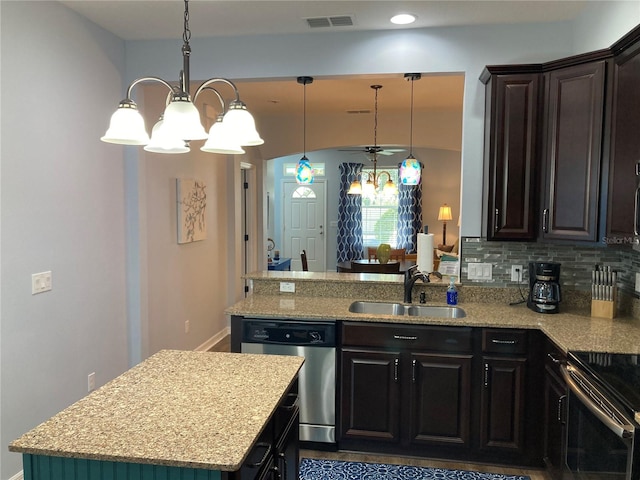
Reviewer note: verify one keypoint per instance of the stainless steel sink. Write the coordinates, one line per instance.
(393, 308)
(377, 308)
(440, 311)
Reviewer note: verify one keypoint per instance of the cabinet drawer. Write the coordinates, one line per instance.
(503, 340)
(414, 337)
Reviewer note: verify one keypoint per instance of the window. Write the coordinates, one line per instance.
(303, 192)
(380, 214)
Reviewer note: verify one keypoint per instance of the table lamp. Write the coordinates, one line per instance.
(444, 215)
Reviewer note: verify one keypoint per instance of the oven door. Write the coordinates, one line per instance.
(600, 438)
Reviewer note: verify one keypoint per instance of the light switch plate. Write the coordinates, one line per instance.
(40, 282)
(638, 282)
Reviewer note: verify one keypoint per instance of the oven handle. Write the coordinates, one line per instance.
(621, 430)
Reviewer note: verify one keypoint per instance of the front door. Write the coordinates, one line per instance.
(304, 220)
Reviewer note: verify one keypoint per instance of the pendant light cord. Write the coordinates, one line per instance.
(304, 81)
(411, 122)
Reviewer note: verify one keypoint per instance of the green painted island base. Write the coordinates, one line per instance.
(41, 467)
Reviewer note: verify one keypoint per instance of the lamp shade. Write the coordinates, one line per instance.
(410, 171)
(390, 189)
(163, 144)
(182, 120)
(241, 124)
(304, 172)
(444, 214)
(220, 141)
(126, 126)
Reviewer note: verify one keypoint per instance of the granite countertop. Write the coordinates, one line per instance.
(570, 330)
(177, 408)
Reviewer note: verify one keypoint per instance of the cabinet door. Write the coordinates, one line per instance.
(511, 120)
(622, 210)
(370, 395)
(503, 403)
(555, 394)
(573, 151)
(440, 399)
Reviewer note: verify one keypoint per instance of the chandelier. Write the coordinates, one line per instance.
(371, 185)
(180, 122)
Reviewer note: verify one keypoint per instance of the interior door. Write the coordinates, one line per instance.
(303, 225)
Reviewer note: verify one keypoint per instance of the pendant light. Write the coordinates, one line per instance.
(304, 172)
(410, 169)
(370, 187)
(180, 122)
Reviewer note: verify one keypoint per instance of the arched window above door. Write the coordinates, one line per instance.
(303, 192)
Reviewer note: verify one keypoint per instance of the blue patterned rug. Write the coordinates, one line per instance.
(312, 469)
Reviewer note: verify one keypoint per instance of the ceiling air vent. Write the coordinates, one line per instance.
(335, 21)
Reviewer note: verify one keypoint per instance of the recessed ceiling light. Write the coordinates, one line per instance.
(403, 19)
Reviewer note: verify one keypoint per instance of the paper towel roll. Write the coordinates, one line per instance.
(425, 252)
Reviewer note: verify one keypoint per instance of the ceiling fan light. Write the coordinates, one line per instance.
(304, 172)
(126, 126)
(355, 188)
(390, 189)
(220, 141)
(182, 120)
(410, 171)
(161, 143)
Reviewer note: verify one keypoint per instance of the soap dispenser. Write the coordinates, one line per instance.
(452, 292)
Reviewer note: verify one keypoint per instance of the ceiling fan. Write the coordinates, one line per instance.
(372, 151)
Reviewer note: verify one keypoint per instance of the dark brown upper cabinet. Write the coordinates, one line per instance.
(512, 105)
(562, 152)
(573, 144)
(623, 208)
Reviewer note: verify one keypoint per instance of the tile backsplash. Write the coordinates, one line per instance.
(577, 261)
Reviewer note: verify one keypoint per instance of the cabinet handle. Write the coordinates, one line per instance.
(504, 342)
(635, 212)
(265, 457)
(497, 221)
(395, 370)
(413, 371)
(545, 220)
(283, 471)
(486, 375)
(561, 409)
(553, 358)
(405, 337)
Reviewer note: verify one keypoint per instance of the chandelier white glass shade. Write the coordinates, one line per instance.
(180, 122)
(304, 171)
(410, 169)
(370, 187)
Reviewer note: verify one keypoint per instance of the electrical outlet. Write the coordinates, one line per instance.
(638, 282)
(40, 282)
(187, 326)
(91, 382)
(289, 287)
(516, 273)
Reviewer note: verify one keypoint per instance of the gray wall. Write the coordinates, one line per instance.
(62, 210)
(78, 207)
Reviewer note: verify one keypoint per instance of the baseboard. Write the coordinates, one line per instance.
(206, 346)
(18, 476)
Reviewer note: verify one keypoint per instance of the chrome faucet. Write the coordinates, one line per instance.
(411, 276)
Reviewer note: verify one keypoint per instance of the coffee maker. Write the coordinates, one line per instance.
(544, 287)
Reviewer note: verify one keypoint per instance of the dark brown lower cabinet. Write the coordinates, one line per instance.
(503, 401)
(555, 414)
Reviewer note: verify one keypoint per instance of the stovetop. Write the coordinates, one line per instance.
(618, 373)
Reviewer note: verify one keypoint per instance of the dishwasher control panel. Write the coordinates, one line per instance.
(289, 332)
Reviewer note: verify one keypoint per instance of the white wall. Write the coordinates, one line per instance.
(604, 23)
(62, 210)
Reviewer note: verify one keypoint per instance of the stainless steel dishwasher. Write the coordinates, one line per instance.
(316, 342)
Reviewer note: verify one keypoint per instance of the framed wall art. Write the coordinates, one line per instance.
(192, 205)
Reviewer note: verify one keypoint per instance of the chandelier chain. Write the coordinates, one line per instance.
(186, 34)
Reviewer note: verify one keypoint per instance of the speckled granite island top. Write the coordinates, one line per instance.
(177, 408)
(570, 330)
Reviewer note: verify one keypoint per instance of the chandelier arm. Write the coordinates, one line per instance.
(222, 103)
(206, 83)
(148, 79)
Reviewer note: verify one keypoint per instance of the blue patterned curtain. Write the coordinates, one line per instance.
(409, 216)
(349, 215)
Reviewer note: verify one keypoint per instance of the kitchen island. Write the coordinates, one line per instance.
(177, 413)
